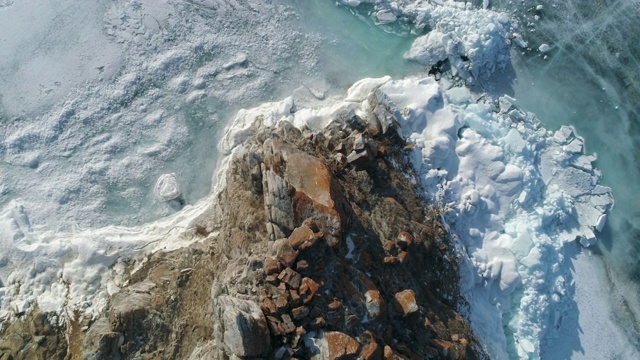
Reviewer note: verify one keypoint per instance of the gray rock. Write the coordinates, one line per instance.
(100, 343)
(360, 158)
(277, 202)
(244, 329)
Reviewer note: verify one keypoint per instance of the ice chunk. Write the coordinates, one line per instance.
(167, 187)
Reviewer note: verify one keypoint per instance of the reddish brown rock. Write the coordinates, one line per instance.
(272, 279)
(290, 277)
(272, 267)
(390, 260)
(302, 265)
(281, 303)
(295, 297)
(287, 326)
(303, 237)
(274, 325)
(406, 301)
(389, 354)
(404, 240)
(318, 195)
(373, 302)
(341, 346)
(287, 257)
(334, 305)
(402, 256)
(371, 351)
(268, 306)
(389, 245)
(308, 289)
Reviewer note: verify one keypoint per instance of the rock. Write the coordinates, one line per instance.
(272, 279)
(374, 303)
(404, 240)
(371, 351)
(303, 237)
(274, 325)
(244, 328)
(308, 289)
(295, 297)
(340, 158)
(334, 305)
(341, 346)
(277, 200)
(128, 310)
(290, 277)
(287, 256)
(272, 267)
(360, 159)
(300, 312)
(287, 325)
(402, 256)
(281, 303)
(318, 195)
(317, 323)
(390, 260)
(302, 265)
(268, 306)
(100, 343)
(406, 300)
(358, 141)
(389, 245)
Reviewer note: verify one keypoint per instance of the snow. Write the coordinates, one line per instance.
(167, 187)
(512, 197)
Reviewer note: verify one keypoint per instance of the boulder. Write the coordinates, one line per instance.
(303, 237)
(100, 343)
(318, 195)
(128, 310)
(245, 332)
(341, 345)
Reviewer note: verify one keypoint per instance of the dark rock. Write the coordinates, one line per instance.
(300, 312)
(360, 159)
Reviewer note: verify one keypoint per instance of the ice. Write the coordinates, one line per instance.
(167, 187)
(473, 41)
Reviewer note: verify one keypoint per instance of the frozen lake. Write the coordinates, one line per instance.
(99, 99)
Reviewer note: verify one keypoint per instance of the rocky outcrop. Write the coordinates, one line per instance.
(320, 247)
(242, 327)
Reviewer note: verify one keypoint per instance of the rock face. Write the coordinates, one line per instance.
(244, 327)
(319, 247)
